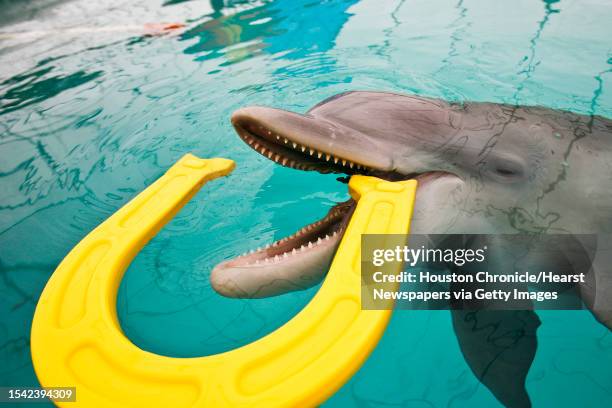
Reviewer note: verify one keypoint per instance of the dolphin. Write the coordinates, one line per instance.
(482, 168)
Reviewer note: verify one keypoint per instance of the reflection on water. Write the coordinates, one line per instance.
(274, 28)
(87, 122)
(39, 85)
(529, 62)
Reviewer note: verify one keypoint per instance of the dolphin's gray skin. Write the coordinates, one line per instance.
(482, 168)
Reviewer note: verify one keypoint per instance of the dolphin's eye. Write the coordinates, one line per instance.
(505, 170)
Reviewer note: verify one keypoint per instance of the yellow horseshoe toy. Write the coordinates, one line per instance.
(77, 341)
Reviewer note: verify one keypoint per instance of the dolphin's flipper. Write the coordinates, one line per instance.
(499, 346)
(497, 338)
(596, 291)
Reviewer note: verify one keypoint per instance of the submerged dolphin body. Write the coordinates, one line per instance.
(482, 168)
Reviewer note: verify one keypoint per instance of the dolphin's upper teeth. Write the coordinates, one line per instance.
(278, 157)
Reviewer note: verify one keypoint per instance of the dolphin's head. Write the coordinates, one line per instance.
(352, 133)
(481, 168)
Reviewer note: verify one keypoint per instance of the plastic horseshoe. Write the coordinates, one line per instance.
(77, 341)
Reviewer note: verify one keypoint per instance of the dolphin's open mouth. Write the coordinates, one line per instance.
(299, 260)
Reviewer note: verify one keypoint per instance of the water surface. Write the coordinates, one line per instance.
(89, 120)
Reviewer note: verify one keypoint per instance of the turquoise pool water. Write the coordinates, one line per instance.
(88, 120)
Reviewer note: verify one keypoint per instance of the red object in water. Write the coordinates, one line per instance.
(174, 26)
(161, 28)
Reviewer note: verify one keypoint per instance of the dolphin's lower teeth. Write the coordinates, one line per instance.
(293, 252)
(309, 237)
